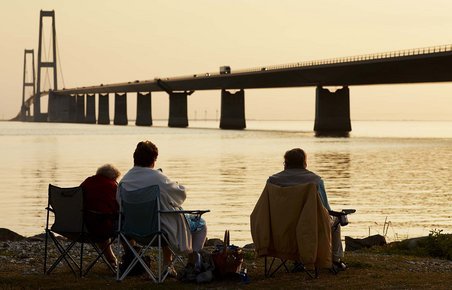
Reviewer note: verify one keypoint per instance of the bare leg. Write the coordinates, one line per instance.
(167, 255)
(198, 239)
(108, 252)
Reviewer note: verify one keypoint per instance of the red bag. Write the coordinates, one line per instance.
(227, 258)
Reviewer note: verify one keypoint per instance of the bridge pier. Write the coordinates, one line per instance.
(144, 109)
(90, 109)
(120, 109)
(62, 108)
(332, 112)
(178, 116)
(58, 107)
(53, 109)
(104, 110)
(232, 110)
(80, 110)
(72, 108)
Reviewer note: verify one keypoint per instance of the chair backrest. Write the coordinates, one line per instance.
(140, 211)
(67, 205)
(291, 223)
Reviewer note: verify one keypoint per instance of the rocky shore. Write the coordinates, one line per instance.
(21, 266)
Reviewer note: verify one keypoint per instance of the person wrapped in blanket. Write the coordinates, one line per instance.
(296, 172)
(187, 234)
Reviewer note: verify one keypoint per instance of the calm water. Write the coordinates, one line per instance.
(394, 171)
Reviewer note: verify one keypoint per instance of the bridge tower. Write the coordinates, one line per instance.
(38, 117)
(25, 110)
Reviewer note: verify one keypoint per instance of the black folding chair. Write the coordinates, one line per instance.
(66, 207)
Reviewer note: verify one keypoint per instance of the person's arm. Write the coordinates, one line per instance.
(118, 197)
(322, 193)
(174, 190)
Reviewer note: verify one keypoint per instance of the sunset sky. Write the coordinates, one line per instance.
(113, 41)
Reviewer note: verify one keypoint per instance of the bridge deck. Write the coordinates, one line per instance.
(411, 66)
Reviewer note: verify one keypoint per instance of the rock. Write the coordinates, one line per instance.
(414, 243)
(8, 235)
(249, 246)
(37, 238)
(352, 244)
(214, 242)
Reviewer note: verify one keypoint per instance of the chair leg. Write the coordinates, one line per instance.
(100, 255)
(81, 260)
(64, 254)
(45, 251)
(268, 268)
(138, 258)
(175, 260)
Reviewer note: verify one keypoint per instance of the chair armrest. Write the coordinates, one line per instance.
(50, 209)
(195, 212)
(342, 218)
(342, 212)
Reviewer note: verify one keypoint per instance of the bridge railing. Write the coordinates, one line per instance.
(347, 59)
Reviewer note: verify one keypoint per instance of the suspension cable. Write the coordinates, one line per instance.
(59, 60)
(46, 74)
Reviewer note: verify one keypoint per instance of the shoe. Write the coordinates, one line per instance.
(171, 271)
(339, 266)
(113, 264)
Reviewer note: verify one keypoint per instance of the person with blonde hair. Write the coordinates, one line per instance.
(101, 207)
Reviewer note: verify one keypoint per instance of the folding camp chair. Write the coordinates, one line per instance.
(291, 224)
(140, 221)
(66, 206)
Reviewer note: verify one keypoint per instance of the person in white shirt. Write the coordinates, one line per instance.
(185, 236)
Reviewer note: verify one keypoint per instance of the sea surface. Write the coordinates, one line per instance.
(396, 174)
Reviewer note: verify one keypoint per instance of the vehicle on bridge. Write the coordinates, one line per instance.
(225, 70)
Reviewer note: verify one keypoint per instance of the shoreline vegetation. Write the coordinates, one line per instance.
(419, 263)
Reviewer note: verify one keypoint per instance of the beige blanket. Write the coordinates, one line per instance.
(291, 223)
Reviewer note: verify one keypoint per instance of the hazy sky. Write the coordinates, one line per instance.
(113, 41)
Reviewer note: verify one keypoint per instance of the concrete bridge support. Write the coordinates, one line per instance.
(72, 108)
(120, 109)
(90, 109)
(178, 110)
(144, 109)
(58, 109)
(232, 110)
(332, 112)
(104, 110)
(80, 111)
(52, 107)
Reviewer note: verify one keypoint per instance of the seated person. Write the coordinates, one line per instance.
(294, 173)
(185, 233)
(101, 207)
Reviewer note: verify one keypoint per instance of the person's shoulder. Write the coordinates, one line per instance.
(313, 173)
(88, 180)
(283, 172)
(273, 179)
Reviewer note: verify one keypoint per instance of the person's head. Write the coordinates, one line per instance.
(145, 154)
(108, 171)
(295, 158)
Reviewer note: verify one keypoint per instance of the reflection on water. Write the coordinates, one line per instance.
(334, 167)
(406, 181)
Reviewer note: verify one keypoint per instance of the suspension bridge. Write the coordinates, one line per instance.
(332, 112)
